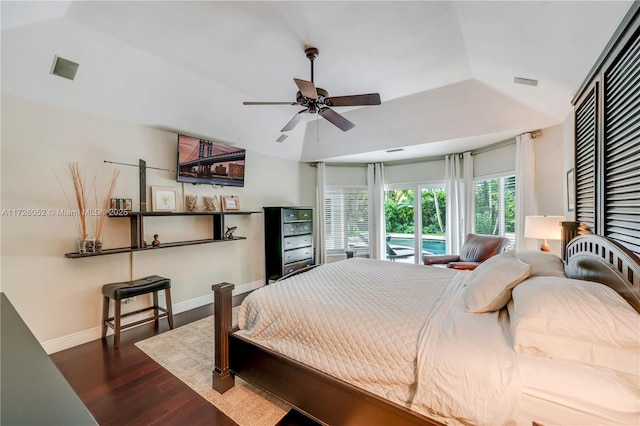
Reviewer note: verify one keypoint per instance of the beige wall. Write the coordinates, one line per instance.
(568, 139)
(550, 180)
(60, 298)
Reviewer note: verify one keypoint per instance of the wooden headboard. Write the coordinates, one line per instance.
(596, 258)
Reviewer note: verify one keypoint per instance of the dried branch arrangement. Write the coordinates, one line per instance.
(82, 192)
(106, 204)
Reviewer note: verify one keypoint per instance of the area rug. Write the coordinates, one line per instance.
(187, 352)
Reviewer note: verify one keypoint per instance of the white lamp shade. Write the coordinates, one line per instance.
(543, 227)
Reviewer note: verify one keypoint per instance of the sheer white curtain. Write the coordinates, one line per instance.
(469, 192)
(455, 203)
(375, 188)
(525, 188)
(320, 205)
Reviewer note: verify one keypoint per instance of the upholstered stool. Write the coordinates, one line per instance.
(123, 290)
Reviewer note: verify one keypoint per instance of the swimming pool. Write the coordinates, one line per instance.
(435, 246)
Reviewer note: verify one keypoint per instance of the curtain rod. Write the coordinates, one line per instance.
(315, 164)
(494, 146)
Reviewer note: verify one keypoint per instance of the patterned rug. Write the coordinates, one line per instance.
(187, 352)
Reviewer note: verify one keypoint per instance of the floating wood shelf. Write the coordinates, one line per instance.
(137, 232)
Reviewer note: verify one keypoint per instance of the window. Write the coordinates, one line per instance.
(346, 219)
(495, 204)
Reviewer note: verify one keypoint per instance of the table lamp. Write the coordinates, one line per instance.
(543, 227)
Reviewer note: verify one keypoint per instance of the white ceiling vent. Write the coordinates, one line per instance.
(64, 68)
(525, 81)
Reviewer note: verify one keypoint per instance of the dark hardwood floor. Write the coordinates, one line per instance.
(126, 387)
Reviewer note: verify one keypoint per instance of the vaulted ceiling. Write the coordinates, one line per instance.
(444, 70)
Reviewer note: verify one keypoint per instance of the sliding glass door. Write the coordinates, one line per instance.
(434, 220)
(399, 213)
(415, 221)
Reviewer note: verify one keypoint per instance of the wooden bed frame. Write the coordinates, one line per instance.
(335, 402)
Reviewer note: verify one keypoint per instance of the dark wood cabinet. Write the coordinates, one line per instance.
(288, 240)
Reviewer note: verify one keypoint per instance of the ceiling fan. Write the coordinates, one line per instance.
(317, 101)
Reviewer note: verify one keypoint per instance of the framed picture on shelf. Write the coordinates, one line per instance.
(164, 199)
(571, 190)
(230, 203)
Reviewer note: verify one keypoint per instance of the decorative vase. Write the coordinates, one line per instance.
(98, 245)
(91, 244)
(82, 245)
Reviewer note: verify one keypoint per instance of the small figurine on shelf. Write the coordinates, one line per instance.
(229, 234)
(156, 241)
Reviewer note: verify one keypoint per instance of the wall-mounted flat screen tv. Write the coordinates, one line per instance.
(206, 162)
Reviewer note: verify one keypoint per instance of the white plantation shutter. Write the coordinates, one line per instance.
(346, 218)
(492, 197)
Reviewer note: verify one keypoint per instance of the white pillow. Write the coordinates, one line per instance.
(543, 264)
(562, 318)
(489, 285)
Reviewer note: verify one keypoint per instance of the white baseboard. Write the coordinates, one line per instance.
(78, 338)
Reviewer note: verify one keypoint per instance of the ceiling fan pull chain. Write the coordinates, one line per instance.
(317, 130)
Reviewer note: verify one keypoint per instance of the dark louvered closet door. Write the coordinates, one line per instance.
(622, 147)
(586, 160)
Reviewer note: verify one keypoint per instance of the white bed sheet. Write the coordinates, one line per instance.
(362, 330)
(467, 368)
(566, 393)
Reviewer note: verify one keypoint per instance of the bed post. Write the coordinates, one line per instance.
(222, 307)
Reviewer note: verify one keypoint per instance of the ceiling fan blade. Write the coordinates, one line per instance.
(307, 88)
(336, 119)
(293, 122)
(269, 103)
(354, 100)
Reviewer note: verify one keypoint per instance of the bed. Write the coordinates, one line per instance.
(523, 339)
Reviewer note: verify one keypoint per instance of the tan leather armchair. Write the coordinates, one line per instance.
(475, 250)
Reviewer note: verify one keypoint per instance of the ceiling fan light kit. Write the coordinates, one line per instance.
(316, 100)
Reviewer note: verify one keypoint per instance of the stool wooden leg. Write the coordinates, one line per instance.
(116, 321)
(167, 296)
(155, 308)
(105, 315)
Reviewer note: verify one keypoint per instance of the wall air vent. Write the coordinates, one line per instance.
(525, 81)
(64, 68)
(281, 138)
